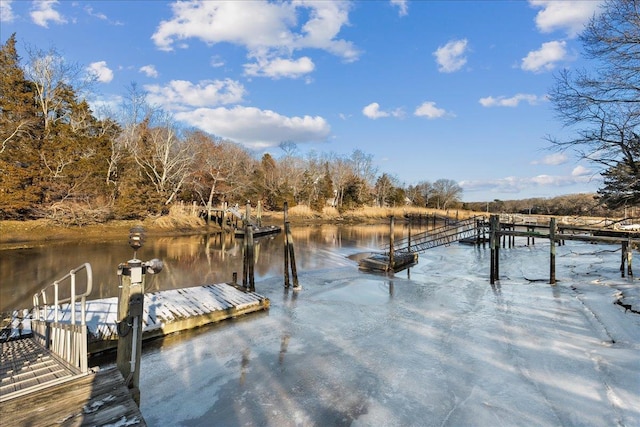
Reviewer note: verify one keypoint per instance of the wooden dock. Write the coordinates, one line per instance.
(93, 399)
(170, 311)
(267, 230)
(381, 262)
(165, 312)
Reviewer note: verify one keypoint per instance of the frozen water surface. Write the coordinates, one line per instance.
(435, 346)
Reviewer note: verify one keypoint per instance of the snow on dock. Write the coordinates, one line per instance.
(166, 312)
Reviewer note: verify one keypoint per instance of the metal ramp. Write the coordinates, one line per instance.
(25, 366)
(449, 233)
(236, 212)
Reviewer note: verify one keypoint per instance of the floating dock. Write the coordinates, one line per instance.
(165, 312)
(381, 262)
(260, 231)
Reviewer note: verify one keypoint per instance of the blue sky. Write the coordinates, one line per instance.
(432, 89)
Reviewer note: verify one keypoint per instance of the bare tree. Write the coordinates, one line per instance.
(164, 158)
(604, 105)
(446, 191)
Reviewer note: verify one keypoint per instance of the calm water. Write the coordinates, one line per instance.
(188, 260)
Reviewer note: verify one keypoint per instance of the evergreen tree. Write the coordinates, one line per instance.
(20, 190)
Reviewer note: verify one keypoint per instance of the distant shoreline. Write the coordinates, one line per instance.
(14, 233)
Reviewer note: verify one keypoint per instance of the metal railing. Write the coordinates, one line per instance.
(68, 340)
(444, 235)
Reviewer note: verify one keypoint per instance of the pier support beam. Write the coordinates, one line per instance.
(552, 251)
(289, 252)
(494, 243)
(391, 242)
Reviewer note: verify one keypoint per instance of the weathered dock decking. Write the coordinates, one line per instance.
(166, 312)
(170, 311)
(93, 399)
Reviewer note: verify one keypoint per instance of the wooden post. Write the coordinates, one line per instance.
(623, 259)
(259, 213)
(292, 258)
(391, 248)
(492, 248)
(286, 245)
(497, 258)
(251, 261)
(409, 239)
(289, 252)
(629, 258)
(552, 255)
(130, 309)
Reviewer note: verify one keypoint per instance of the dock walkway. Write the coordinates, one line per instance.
(61, 398)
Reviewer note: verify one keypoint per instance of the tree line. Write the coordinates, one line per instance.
(59, 160)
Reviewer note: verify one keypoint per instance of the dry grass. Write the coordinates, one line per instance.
(179, 218)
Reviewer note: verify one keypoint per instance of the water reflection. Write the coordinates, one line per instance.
(188, 260)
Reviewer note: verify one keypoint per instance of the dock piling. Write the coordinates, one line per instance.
(289, 252)
(552, 255)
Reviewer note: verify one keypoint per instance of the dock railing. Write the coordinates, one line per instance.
(64, 337)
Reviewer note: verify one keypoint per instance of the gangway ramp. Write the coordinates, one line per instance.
(451, 232)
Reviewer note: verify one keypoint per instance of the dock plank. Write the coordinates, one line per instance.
(94, 399)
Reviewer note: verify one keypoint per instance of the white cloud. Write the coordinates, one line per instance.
(149, 70)
(180, 95)
(514, 101)
(280, 67)
(100, 70)
(42, 12)
(373, 111)
(429, 110)
(545, 58)
(451, 57)
(554, 159)
(270, 31)
(513, 184)
(580, 171)
(255, 128)
(403, 7)
(98, 15)
(6, 12)
(569, 16)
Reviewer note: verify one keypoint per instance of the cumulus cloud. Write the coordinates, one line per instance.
(568, 16)
(43, 12)
(429, 110)
(180, 95)
(451, 57)
(545, 58)
(6, 12)
(149, 70)
(280, 67)
(100, 70)
(402, 5)
(513, 101)
(255, 128)
(552, 159)
(270, 31)
(373, 111)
